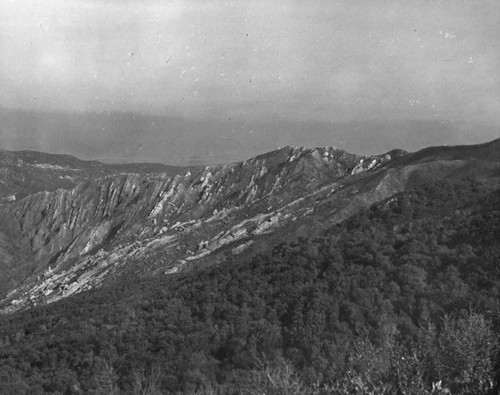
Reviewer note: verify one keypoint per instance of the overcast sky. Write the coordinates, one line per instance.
(292, 60)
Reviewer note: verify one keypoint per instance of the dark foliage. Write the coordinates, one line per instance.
(409, 280)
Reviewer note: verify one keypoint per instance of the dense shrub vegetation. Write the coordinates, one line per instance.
(402, 298)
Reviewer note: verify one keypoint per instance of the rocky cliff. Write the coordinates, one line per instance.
(23, 173)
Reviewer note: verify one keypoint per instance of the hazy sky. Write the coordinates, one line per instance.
(292, 60)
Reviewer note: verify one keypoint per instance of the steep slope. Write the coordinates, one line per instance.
(380, 303)
(23, 173)
(150, 224)
(133, 214)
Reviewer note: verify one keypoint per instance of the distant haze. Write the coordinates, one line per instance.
(182, 81)
(126, 137)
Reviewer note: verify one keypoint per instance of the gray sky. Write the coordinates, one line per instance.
(291, 60)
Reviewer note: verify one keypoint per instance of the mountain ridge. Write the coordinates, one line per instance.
(154, 223)
(364, 274)
(133, 137)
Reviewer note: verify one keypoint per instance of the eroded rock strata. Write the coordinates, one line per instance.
(57, 243)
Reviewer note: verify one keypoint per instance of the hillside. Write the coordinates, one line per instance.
(26, 172)
(133, 217)
(70, 240)
(313, 260)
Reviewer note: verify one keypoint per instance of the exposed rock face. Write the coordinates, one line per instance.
(23, 173)
(375, 161)
(70, 240)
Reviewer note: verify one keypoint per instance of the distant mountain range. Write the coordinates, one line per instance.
(67, 225)
(116, 137)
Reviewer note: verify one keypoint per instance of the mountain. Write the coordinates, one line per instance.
(305, 270)
(23, 174)
(27, 172)
(57, 243)
(133, 137)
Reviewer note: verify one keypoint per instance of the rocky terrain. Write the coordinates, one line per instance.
(23, 173)
(68, 225)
